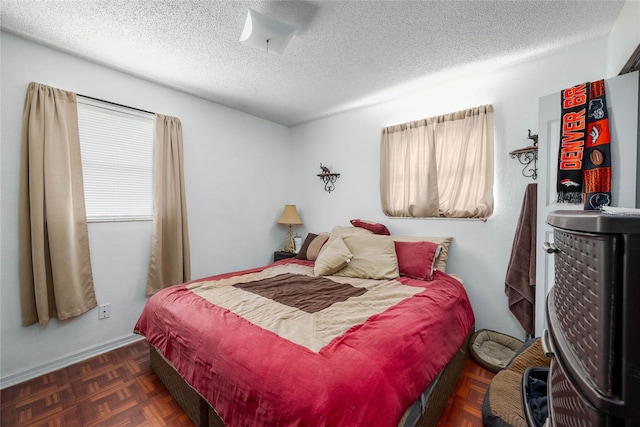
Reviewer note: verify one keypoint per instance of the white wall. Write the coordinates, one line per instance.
(236, 182)
(624, 37)
(349, 143)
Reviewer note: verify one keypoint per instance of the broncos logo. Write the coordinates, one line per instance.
(596, 109)
(568, 183)
(595, 133)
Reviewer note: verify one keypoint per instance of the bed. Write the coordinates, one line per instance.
(362, 344)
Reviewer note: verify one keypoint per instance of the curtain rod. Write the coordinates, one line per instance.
(115, 103)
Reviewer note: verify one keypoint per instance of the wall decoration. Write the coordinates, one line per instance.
(528, 155)
(329, 178)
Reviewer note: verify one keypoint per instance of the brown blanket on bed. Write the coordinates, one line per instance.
(319, 293)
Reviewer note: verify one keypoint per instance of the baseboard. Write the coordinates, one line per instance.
(79, 356)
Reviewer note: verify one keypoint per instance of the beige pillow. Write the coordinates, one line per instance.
(444, 242)
(374, 257)
(316, 245)
(332, 259)
(340, 232)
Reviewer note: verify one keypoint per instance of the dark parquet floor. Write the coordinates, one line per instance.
(119, 389)
(465, 404)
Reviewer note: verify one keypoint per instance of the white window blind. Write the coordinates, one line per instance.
(117, 161)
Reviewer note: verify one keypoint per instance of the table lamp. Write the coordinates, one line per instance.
(290, 217)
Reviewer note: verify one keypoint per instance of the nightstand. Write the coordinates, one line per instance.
(277, 255)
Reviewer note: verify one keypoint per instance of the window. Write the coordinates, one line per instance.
(116, 145)
(439, 167)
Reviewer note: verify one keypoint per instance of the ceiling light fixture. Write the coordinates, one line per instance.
(266, 33)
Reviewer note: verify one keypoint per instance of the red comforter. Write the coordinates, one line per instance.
(362, 374)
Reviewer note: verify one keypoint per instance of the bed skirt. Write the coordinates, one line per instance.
(203, 415)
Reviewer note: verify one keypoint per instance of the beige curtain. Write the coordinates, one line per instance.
(54, 262)
(439, 167)
(170, 259)
(408, 170)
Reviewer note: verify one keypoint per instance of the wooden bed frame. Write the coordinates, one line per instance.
(203, 415)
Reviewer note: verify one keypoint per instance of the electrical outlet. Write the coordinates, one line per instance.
(104, 311)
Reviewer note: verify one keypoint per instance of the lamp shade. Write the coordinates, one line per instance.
(266, 33)
(290, 215)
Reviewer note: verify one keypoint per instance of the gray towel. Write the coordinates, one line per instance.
(520, 283)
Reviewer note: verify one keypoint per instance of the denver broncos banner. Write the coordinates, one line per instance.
(584, 160)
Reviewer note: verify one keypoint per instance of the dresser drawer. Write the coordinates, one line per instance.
(567, 408)
(584, 302)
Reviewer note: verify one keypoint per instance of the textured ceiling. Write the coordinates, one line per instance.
(344, 53)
